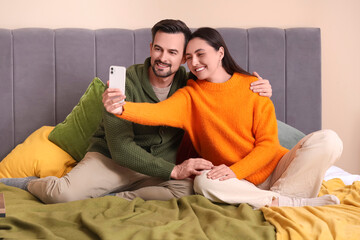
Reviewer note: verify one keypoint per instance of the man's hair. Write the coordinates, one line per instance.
(172, 26)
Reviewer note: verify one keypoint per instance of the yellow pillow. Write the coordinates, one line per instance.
(36, 156)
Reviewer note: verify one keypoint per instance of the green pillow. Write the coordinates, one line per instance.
(288, 135)
(74, 133)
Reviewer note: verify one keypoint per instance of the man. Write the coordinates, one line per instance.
(130, 159)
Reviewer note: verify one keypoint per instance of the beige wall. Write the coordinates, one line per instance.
(339, 22)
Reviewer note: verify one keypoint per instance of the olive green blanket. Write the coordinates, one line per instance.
(110, 217)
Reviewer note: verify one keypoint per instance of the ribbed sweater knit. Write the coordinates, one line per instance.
(145, 149)
(227, 124)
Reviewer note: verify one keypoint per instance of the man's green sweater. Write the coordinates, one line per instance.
(144, 149)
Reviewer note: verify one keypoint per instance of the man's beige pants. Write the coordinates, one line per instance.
(299, 173)
(96, 175)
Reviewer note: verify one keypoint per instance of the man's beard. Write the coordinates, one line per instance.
(160, 73)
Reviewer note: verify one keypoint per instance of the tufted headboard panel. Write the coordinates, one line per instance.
(44, 72)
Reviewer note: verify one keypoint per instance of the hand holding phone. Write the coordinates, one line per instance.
(117, 77)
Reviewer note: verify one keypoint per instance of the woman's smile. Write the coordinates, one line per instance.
(199, 69)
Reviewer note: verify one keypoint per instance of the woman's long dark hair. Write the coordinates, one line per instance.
(214, 39)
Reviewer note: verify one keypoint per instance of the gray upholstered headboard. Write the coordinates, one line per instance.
(45, 71)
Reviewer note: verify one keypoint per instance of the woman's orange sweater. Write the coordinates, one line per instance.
(227, 123)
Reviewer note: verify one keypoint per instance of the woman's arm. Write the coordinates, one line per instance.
(266, 140)
(171, 112)
(266, 146)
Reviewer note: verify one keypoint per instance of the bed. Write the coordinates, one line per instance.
(51, 80)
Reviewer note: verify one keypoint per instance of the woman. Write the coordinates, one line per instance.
(250, 166)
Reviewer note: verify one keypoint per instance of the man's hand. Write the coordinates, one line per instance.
(111, 99)
(192, 166)
(261, 86)
(221, 172)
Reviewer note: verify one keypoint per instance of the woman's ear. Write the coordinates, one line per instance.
(222, 52)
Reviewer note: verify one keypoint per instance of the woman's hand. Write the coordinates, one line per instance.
(113, 100)
(221, 172)
(261, 86)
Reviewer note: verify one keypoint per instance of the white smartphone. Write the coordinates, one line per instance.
(117, 77)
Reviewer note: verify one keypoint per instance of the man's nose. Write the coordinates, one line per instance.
(163, 57)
